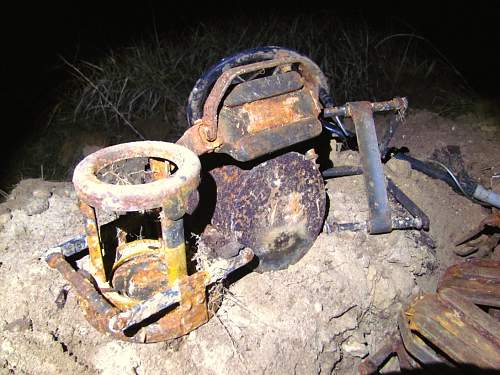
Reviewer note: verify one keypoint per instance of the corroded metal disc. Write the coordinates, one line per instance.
(141, 277)
(277, 208)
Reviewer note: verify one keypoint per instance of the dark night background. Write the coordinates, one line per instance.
(467, 34)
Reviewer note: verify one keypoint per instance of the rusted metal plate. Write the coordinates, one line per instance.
(251, 146)
(415, 345)
(465, 333)
(263, 88)
(245, 119)
(277, 208)
(212, 103)
(475, 279)
(274, 112)
(258, 127)
(448, 331)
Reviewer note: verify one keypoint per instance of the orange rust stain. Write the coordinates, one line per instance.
(147, 277)
(294, 203)
(273, 112)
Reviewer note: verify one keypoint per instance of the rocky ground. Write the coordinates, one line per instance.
(321, 315)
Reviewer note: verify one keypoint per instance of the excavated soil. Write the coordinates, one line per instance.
(322, 315)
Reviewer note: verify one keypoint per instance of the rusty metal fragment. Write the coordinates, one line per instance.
(211, 106)
(449, 330)
(465, 333)
(485, 243)
(395, 104)
(253, 123)
(392, 346)
(477, 280)
(451, 319)
(261, 115)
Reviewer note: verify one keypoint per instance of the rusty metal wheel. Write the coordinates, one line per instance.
(277, 208)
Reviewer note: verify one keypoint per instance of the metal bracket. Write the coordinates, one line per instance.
(380, 220)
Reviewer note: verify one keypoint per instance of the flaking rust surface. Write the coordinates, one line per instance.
(277, 208)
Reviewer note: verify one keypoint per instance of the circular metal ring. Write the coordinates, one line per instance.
(110, 197)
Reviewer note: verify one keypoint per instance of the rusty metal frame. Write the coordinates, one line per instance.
(180, 297)
(375, 182)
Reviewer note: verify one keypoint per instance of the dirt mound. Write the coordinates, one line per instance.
(323, 314)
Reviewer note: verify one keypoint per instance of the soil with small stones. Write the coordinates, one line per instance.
(322, 315)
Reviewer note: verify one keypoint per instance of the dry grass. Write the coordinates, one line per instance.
(151, 78)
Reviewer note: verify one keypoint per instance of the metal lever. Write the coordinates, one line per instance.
(362, 114)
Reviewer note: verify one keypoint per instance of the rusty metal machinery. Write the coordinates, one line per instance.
(252, 104)
(140, 290)
(256, 103)
(260, 107)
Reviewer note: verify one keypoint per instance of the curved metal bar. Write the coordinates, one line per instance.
(198, 95)
(127, 198)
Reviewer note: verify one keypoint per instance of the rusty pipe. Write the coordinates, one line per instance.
(96, 304)
(380, 212)
(395, 104)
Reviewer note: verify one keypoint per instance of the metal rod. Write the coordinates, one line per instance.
(342, 171)
(174, 248)
(396, 104)
(387, 137)
(94, 243)
(144, 310)
(83, 287)
(380, 213)
(407, 203)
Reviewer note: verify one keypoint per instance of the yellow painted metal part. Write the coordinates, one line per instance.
(94, 244)
(176, 262)
(132, 249)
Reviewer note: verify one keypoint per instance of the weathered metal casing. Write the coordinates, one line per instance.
(449, 331)
(268, 114)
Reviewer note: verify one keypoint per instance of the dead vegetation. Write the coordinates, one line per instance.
(140, 90)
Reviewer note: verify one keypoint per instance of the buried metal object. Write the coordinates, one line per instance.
(259, 102)
(140, 290)
(276, 208)
(485, 245)
(270, 199)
